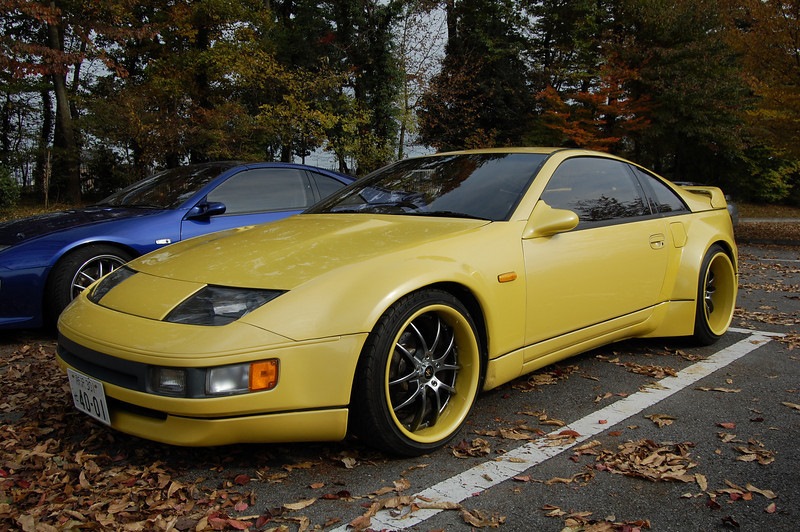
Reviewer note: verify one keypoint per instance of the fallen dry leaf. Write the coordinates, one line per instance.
(752, 453)
(478, 519)
(582, 477)
(661, 420)
(656, 372)
(553, 511)
(349, 462)
(299, 505)
(769, 494)
(701, 481)
(544, 378)
(475, 448)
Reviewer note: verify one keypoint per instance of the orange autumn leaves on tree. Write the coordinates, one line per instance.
(598, 118)
(766, 34)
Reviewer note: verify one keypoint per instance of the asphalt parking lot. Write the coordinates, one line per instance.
(646, 434)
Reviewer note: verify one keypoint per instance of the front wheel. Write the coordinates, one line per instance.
(419, 374)
(716, 296)
(76, 271)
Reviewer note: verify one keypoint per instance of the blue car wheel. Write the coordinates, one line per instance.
(76, 271)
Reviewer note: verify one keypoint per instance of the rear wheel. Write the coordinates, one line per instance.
(76, 271)
(716, 296)
(418, 376)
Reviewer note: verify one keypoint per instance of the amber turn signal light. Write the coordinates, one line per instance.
(264, 375)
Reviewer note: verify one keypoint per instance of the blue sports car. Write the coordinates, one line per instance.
(46, 260)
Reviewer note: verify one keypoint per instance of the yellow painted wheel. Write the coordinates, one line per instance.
(716, 296)
(420, 374)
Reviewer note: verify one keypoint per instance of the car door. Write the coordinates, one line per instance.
(612, 265)
(255, 196)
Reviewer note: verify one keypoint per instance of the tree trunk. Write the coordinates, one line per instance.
(40, 166)
(5, 144)
(67, 147)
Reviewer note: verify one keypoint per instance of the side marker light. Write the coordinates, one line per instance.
(507, 277)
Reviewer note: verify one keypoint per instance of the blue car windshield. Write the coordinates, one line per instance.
(167, 189)
(486, 186)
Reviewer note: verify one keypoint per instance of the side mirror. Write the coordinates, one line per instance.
(206, 210)
(547, 221)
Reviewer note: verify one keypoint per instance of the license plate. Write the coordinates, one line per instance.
(88, 396)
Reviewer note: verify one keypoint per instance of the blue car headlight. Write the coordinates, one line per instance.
(220, 305)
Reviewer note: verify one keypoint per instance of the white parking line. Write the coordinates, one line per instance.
(778, 260)
(488, 474)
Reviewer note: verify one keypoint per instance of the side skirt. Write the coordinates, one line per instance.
(665, 319)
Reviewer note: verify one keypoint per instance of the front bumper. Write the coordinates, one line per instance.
(309, 402)
(21, 294)
(281, 427)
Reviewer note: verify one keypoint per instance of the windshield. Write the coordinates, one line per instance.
(477, 185)
(167, 189)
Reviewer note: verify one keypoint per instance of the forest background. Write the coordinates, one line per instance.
(96, 94)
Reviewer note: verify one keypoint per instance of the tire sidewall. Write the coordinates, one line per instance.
(703, 333)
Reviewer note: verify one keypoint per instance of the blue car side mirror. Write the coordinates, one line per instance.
(206, 210)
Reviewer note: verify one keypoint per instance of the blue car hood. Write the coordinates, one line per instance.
(17, 231)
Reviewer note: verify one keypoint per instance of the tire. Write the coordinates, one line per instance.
(419, 375)
(76, 271)
(716, 296)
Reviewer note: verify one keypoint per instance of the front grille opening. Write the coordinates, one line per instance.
(116, 405)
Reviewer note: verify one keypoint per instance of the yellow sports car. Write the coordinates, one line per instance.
(384, 310)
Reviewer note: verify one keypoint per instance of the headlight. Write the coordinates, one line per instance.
(242, 378)
(108, 282)
(217, 381)
(219, 305)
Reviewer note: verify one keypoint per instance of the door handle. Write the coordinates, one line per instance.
(657, 241)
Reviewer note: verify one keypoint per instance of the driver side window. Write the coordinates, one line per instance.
(600, 191)
(264, 189)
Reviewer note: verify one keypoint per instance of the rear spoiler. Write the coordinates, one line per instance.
(714, 195)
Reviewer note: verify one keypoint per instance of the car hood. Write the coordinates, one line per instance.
(287, 253)
(17, 231)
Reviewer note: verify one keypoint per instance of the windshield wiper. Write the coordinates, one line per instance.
(379, 208)
(450, 214)
(142, 206)
(128, 205)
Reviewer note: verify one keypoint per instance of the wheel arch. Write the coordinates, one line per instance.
(729, 250)
(66, 253)
(470, 301)
(473, 306)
